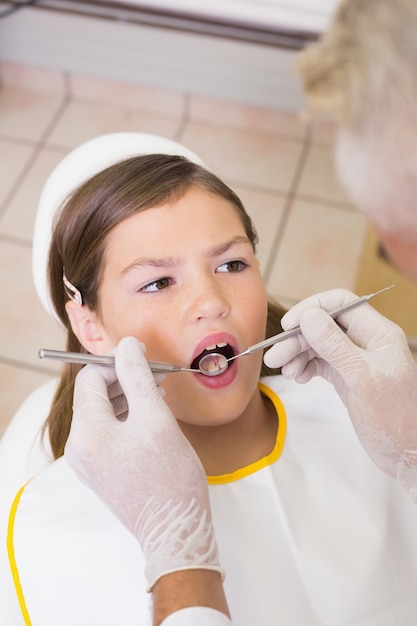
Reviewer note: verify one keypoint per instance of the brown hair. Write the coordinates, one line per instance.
(79, 238)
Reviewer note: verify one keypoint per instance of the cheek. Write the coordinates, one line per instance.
(255, 307)
(120, 320)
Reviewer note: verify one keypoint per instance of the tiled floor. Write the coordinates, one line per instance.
(311, 237)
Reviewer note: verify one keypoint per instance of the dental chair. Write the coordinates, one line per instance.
(23, 451)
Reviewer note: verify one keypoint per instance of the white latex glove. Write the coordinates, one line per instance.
(140, 464)
(370, 366)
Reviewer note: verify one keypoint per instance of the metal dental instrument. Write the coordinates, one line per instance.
(84, 358)
(219, 363)
(211, 364)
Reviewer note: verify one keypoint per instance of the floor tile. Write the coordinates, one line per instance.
(319, 179)
(14, 158)
(266, 210)
(320, 250)
(26, 114)
(32, 78)
(19, 217)
(244, 156)
(261, 119)
(132, 96)
(82, 121)
(322, 130)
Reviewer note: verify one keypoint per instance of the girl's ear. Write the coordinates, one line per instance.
(86, 327)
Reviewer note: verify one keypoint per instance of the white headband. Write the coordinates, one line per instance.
(78, 166)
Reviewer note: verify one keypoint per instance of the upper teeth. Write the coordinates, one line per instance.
(217, 345)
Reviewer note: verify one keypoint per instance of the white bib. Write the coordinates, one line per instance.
(312, 535)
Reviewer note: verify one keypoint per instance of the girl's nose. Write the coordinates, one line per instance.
(210, 301)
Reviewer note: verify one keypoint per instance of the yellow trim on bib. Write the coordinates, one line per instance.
(12, 558)
(242, 472)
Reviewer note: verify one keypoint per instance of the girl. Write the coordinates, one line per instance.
(309, 532)
(108, 215)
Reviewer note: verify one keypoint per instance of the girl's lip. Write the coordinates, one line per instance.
(213, 339)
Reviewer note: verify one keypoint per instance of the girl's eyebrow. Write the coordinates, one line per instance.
(141, 262)
(224, 247)
(168, 262)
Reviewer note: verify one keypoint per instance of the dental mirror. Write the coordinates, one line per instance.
(214, 364)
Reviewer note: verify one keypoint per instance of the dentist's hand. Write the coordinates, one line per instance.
(126, 445)
(370, 366)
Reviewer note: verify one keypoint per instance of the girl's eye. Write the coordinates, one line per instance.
(157, 285)
(232, 266)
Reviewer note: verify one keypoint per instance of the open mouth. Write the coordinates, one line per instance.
(225, 349)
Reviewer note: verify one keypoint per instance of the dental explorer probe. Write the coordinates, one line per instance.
(222, 363)
(266, 343)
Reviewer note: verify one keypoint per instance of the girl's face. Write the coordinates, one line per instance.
(182, 277)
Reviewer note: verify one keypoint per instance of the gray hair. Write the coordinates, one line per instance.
(362, 73)
(364, 66)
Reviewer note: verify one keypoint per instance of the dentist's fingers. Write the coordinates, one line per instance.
(302, 368)
(91, 390)
(135, 377)
(285, 351)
